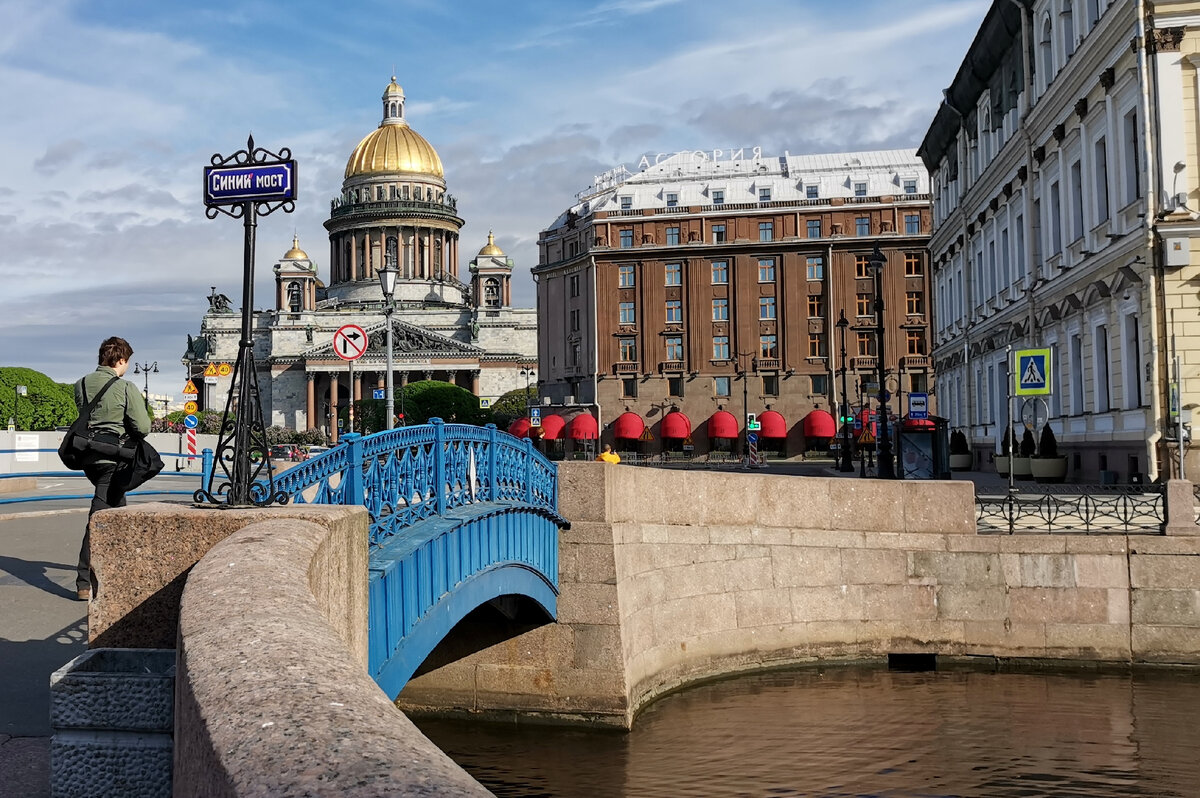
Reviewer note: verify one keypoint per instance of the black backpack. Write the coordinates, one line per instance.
(78, 448)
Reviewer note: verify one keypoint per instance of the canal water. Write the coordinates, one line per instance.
(863, 732)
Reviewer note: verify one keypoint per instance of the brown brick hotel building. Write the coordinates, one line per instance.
(674, 300)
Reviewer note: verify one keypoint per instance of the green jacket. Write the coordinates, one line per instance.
(122, 409)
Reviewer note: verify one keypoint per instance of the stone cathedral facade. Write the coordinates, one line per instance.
(460, 328)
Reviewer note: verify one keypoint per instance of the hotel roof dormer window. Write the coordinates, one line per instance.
(718, 196)
(910, 185)
(764, 194)
(812, 192)
(672, 200)
(626, 203)
(860, 189)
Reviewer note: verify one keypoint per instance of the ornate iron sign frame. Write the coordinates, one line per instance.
(243, 452)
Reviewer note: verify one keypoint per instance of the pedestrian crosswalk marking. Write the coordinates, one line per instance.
(1033, 372)
(1032, 375)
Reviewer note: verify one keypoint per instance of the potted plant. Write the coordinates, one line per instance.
(1002, 460)
(1047, 465)
(961, 458)
(1021, 461)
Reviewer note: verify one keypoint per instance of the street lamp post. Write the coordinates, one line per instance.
(18, 391)
(744, 373)
(387, 282)
(846, 464)
(527, 373)
(886, 469)
(147, 369)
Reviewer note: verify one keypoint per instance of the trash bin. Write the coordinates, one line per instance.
(112, 713)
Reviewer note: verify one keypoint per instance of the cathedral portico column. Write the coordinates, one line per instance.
(475, 381)
(310, 408)
(333, 407)
(353, 257)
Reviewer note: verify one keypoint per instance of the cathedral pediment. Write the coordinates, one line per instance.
(408, 341)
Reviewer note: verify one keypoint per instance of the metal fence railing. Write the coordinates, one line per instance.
(1074, 509)
(205, 457)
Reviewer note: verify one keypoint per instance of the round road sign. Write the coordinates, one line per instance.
(350, 342)
(190, 407)
(224, 370)
(190, 421)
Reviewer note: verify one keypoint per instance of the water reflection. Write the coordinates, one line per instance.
(856, 732)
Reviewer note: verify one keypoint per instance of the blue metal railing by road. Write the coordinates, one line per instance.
(206, 466)
(409, 474)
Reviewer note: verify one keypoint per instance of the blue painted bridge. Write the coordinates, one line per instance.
(461, 517)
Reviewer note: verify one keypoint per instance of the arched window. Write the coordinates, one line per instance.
(392, 250)
(491, 292)
(1068, 27)
(1046, 53)
(293, 296)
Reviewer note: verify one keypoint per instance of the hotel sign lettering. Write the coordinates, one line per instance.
(738, 154)
(265, 182)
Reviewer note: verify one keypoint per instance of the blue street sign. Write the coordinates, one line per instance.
(379, 393)
(535, 412)
(918, 405)
(190, 421)
(1033, 372)
(751, 437)
(231, 185)
(857, 423)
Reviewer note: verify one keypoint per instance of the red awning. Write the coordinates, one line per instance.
(583, 428)
(519, 428)
(923, 424)
(723, 424)
(552, 427)
(676, 425)
(773, 425)
(864, 422)
(817, 424)
(628, 426)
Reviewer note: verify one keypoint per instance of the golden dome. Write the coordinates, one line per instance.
(394, 147)
(393, 87)
(295, 253)
(490, 249)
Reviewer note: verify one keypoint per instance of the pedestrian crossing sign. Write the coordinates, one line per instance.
(1033, 372)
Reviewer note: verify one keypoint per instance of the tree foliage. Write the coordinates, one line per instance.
(509, 407)
(46, 405)
(434, 399)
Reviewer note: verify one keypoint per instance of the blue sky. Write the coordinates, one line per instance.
(113, 108)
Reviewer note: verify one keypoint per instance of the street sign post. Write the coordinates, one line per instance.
(273, 181)
(1033, 372)
(350, 342)
(190, 389)
(535, 417)
(484, 403)
(379, 393)
(918, 405)
(191, 421)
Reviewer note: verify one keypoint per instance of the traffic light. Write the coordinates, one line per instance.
(845, 416)
(750, 418)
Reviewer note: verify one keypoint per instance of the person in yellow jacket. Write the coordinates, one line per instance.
(608, 455)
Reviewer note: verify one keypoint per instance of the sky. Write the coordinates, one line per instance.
(111, 109)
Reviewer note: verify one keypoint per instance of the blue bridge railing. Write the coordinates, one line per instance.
(410, 474)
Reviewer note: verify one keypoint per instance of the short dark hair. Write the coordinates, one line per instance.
(114, 350)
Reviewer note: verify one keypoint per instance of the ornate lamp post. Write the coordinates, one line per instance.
(886, 468)
(846, 463)
(527, 372)
(146, 369)
(387, 282)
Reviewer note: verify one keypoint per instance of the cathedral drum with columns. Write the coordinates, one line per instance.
(393, 208)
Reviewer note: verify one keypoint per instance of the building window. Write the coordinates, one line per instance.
(860, 189)
(816, 345)
(673, 236)
(866, 344)
(914, 303)
(910, 186)
(1055, 219)
(675, 348)
(720, 272)
(768, 346)
(862, 226)
(674, 311)
(770, 385)
(627, 313)
(626, 239)
(624, 276)
(626, 203)
(816, 306)
(1101, 162)
(575, 320)
(720, 386)
(629, 388)
(672, 200)
(764, 195)
(862, 267)
(674, 274)
(575, 285)
(916, 342)
(862, 305)
(811, 192)
(720, 310)
(574, 354)
(1133, 178)
(628, 350)
(766, 231)
(815, 266)
(913, 267)
(718, 197)
(820, 384)
(721, 347)
(766, 270)
(1076, 200)
(912, 224)
(814, 228)
(718, 233)
(674, 386)
(766, 308)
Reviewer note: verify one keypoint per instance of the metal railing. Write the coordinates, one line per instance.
(409, 474)
(1074, 509)
(206, 458)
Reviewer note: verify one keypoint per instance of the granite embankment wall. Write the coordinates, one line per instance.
(669, 577)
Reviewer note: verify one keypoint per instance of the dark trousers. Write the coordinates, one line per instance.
(111, 481)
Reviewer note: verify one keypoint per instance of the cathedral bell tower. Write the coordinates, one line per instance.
(296, 281)
(491, 277)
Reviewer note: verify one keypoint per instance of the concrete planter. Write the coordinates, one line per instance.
(962, 462)
(1001, 461)
(1049, 469)
(1021, 468)
(112, 711)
